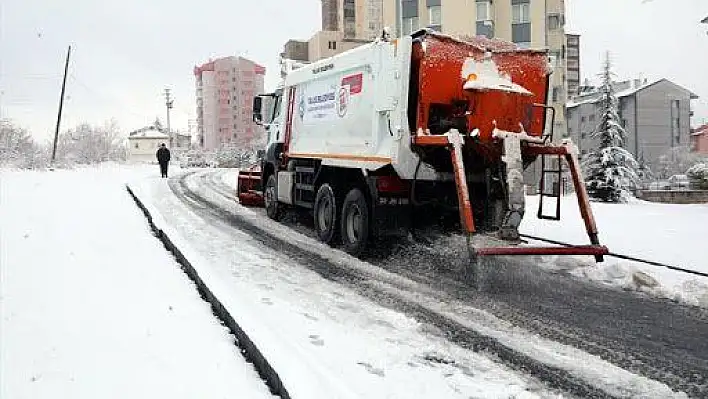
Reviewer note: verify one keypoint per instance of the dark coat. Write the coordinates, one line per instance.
(163, 155)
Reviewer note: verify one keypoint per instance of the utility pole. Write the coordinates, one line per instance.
(61, 105)
(168, 103)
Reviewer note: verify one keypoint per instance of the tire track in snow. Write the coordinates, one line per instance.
(650, 336)
(456, 332)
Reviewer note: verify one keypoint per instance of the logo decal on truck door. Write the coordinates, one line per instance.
(328, 98)
(351, 85)
(343, 101)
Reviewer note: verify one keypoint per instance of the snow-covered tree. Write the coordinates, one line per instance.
(234, 157)
(677, 161)
(610, 170)
(87, 144)
(644, 172)
(17, 149)
(698, 175)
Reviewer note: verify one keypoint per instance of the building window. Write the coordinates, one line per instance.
(435, 15)
(485, 20)
(675, 122)
(554, 21)
(410, 25)
(484, 11)
(555, 94)
(521, 13)
(521, 23)
(349, 17)
(137, 146)
(582, 119)
(332, 45)
(592, 118)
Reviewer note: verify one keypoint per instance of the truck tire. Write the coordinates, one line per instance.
(355, 222)
(274, 209)
(326, 214)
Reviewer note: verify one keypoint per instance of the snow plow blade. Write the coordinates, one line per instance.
(250, 186)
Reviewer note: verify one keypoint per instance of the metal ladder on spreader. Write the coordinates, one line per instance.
(556, 174)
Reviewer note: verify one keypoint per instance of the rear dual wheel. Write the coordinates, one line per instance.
(348, 223)
(326, 214)
(355, 222)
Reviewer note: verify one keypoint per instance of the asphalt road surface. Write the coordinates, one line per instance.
(653, 337)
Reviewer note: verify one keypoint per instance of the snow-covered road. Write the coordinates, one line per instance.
(322, 337)
(91, 304)
(438, 299)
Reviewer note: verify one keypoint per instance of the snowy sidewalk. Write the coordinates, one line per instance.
(93, 306)
(670, 233)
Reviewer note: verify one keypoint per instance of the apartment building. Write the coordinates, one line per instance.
(655, 115)
(357, 19)
(225, 88)
(346, 24)
(528, 23)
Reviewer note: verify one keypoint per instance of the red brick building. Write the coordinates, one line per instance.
(699, 139)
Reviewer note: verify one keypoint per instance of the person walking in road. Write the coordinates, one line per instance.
(163, 158)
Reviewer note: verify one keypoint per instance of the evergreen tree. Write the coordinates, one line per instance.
(610, 170)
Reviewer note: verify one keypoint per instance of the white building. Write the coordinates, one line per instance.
(143, 144)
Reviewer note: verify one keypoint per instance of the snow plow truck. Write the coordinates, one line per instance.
(426, 126)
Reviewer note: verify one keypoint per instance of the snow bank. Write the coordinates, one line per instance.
(93, 306)
(667, 233)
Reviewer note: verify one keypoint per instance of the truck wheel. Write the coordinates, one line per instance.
(273, 207)
(355, 222)
(326, 214)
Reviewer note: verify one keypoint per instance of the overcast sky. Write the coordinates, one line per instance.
(125, 53)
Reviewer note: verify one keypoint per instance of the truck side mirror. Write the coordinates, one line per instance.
(257, 109)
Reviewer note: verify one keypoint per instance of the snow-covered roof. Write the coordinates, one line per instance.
(628, 88)
(700, 131)
(594, 96)
(149, 133)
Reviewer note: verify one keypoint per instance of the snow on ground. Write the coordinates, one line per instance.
(91, 303)
(668, 233)
(324, 339)
(360, 337)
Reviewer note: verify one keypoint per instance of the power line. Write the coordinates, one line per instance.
(622, 256)
(106, 98)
